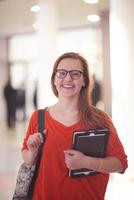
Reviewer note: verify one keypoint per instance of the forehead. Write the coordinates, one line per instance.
(70, 64)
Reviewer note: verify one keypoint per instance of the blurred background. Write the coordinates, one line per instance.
(32, 34)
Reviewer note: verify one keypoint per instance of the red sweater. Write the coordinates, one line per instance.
(53, 182)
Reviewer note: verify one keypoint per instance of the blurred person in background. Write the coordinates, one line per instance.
(10, 95)
(21, 103)
(70, 83)
(96, 92)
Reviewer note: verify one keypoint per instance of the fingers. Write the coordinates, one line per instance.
(68, 157)
(67, 161)
(34, 141)
(45, 132)
(73, 159)
(68, 164)
(41, 138)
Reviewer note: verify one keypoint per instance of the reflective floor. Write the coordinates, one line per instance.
(119, 188)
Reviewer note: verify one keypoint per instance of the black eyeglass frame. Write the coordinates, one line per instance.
(70, 73)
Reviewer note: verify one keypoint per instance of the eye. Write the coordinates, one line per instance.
(61, 73)
(76, 74)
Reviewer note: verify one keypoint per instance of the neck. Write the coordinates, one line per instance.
(67, 105)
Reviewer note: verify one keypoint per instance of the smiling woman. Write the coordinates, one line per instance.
(71, 83)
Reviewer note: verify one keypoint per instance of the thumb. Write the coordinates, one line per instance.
(70, 152)
(45, 131)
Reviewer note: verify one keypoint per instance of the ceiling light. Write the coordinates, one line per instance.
(91, 1)
(35, 8)
(93, 18)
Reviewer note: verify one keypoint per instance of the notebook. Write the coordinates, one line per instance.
(92, 143)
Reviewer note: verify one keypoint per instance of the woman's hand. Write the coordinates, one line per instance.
(34, 141)
(74, 159)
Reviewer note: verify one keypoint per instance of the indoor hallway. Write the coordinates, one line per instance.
(10, 154)
(119, 188)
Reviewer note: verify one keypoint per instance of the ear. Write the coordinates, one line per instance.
(83, 85)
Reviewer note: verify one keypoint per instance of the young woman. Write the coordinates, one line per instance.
(71, 84)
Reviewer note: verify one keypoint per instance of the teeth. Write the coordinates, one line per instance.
(68, 86)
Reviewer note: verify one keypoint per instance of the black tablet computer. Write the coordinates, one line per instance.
(92, 143)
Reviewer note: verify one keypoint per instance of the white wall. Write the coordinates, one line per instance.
(122, 69)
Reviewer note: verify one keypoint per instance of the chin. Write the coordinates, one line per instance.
(68, 94)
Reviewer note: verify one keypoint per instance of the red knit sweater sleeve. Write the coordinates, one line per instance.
(32, 128)
(115, 146)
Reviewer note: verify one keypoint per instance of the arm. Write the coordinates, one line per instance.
(76, 160)
(106, 165)
(115, 160)
(28, 157)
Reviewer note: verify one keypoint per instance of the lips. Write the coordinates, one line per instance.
(67, 86)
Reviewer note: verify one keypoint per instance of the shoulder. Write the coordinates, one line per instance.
(33, 120)
(34, 115)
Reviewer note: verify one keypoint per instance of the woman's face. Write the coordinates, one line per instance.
(69, 77)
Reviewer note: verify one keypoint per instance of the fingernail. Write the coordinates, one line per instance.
(45, 131)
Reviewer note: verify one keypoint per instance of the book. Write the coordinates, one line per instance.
(91, 142)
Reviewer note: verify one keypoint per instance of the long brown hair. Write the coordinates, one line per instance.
(89, 115)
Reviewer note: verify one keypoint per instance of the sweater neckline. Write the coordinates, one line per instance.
(61, 124)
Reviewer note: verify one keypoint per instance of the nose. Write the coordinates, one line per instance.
(68, 77)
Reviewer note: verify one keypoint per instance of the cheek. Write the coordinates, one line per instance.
(80, 85)
(56, 83)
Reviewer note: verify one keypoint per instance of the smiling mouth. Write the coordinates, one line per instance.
(68, 86)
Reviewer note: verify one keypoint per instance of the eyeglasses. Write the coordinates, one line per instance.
(74, 74)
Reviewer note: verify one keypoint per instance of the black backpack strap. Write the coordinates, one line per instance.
(41, 120)
(41, 127)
